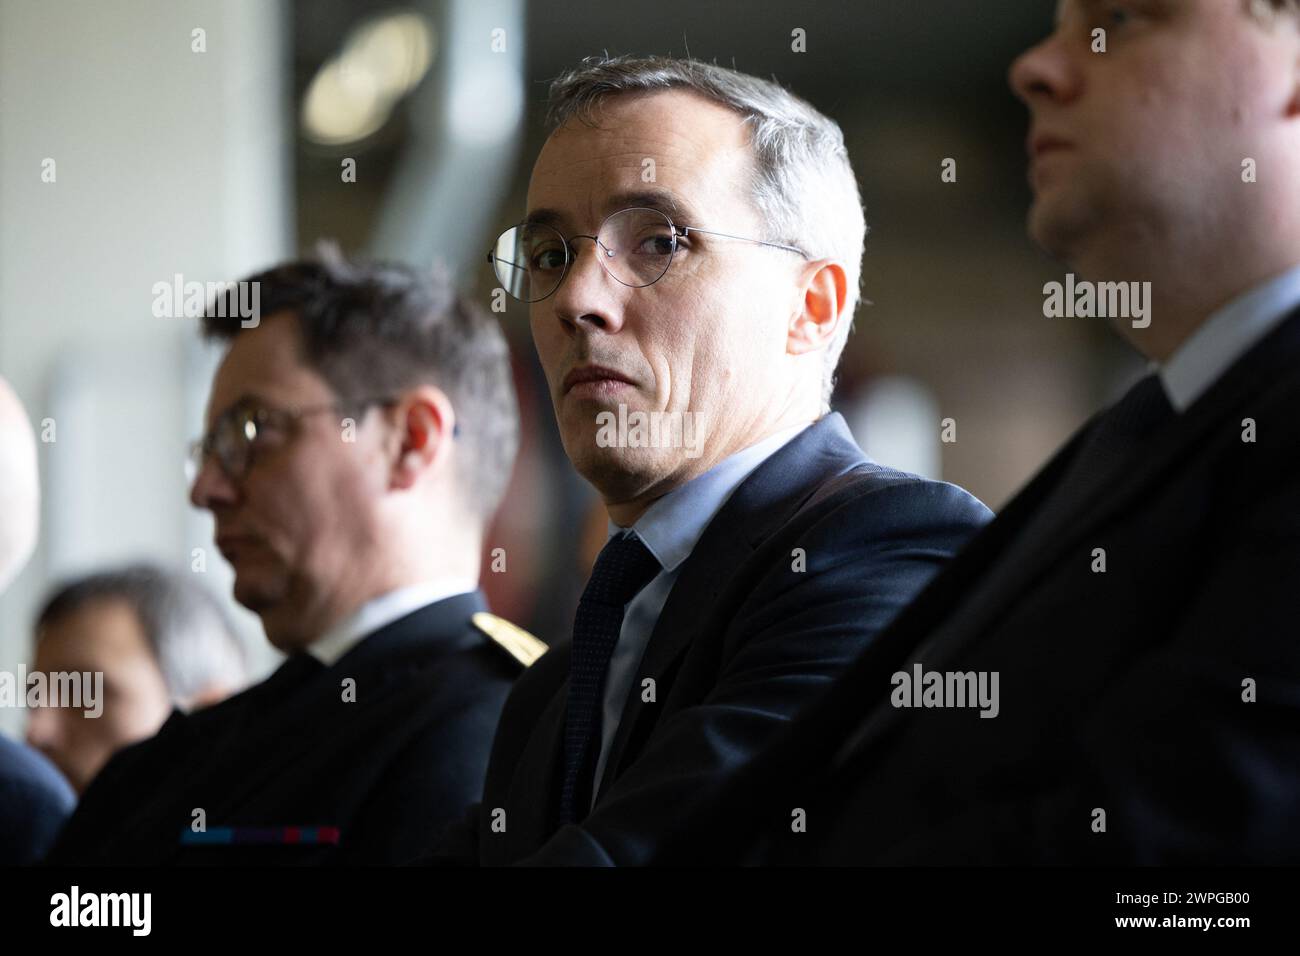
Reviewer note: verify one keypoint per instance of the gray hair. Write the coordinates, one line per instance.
(192, 641)
(803, 185)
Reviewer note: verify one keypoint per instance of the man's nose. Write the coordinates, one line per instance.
(589, 294)
(1045, 71)
(211, 487)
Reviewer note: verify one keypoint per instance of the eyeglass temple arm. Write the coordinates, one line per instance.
(685, 231)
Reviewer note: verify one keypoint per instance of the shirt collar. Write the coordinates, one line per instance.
(1226, 336)
(672, 525)
(380, 612)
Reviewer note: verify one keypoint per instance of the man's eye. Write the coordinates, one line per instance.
(1115, 16)
(545, 260)
(259, 437)
(659, 244)
(263, 432)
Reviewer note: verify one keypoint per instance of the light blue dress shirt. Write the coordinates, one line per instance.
(1226, 336)
(670, 528)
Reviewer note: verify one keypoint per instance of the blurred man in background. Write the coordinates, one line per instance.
(361, 431)
(34, 799)
(691, 257)
(1138, 600)
(160, 641)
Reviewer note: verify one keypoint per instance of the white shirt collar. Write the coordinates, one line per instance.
(672, 525)
(382, 611)
(1226, 336)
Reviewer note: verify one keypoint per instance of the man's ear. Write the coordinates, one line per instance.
(425, 422)
(825, 293)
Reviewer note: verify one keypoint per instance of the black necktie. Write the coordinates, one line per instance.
(1114, 441)
(624, 567)
(1116, 436)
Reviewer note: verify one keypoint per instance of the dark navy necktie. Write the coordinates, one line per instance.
(624, 567)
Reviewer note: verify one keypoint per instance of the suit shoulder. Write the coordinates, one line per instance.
(882, 495)
(24, 771)
(508, 638)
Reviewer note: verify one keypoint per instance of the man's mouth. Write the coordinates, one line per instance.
(1041, 144)
(595, 381)
(233, 546)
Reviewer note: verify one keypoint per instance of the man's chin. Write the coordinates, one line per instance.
(256, 594)
(282, 626)
(1054, 228)
(618, 473)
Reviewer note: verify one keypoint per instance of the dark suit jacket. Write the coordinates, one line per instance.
(35, 800)
(745, 639)
(1121, 691)
(388, 770)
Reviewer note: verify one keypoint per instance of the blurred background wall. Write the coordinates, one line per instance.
(408, 130)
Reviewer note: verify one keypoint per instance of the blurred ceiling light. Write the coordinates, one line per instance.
(353, 94)
(395, 49)
(342, 105)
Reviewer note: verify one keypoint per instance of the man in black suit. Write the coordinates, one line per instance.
(361, 433)
(691, 257)
(34, 799)
(1130, 617)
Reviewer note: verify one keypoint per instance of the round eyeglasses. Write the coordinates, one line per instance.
(634, 246)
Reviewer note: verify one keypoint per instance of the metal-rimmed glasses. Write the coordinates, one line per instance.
(250, 425)
(635, 246)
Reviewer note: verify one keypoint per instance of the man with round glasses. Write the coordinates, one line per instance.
(690, 256)
(360, 437)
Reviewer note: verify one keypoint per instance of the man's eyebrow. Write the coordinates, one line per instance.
(668, 204)
(1090, 9)
(544, 217)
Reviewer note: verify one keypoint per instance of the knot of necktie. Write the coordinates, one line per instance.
(1145, 407)
(625, 565)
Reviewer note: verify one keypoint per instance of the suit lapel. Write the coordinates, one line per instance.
(1268, 365)
(760, 505)
(533, 797)
(1183, 437)
(238, 773)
